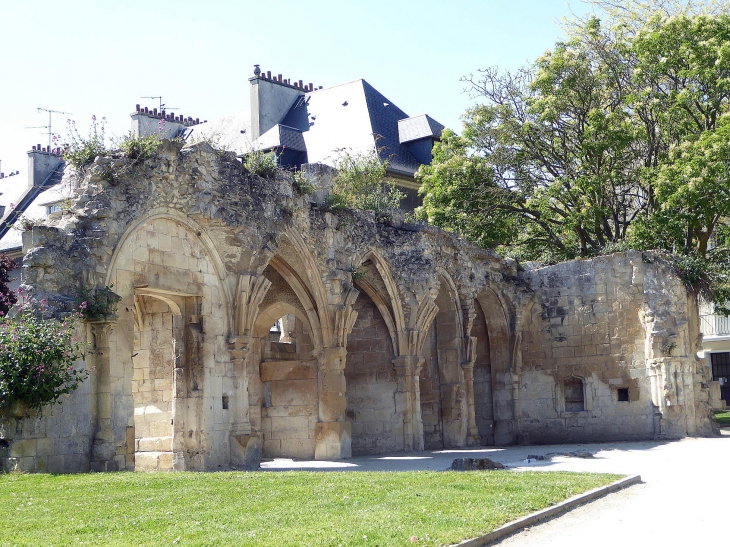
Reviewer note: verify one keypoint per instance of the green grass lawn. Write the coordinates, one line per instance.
(722, 417)
(273, 509)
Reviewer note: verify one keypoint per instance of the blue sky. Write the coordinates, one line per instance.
(100, 57)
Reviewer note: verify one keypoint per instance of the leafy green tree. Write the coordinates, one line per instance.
(694, 188)
(555, 155)
(614, 138)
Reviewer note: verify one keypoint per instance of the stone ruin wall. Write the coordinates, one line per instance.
(616, 323)
(395, 337)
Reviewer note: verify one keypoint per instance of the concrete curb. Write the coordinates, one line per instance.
(544, 514)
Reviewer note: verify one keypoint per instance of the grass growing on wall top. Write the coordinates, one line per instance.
(273, 509)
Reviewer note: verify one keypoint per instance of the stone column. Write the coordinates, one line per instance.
(470, 354)
(408, 399)
(103, 449)
(472, 435)
(332, 434)
(179, 393)
(245, 447)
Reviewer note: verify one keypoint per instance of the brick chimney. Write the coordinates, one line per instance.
(271, 99)
(41, 163)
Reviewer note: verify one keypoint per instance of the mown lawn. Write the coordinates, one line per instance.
(273, 509)
(722, 417)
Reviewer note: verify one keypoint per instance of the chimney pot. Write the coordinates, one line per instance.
(268, 75)
(154, 111)
(197, 120)
(300, 84)
(137, 108)
(145, 110)
(278, 77)
(38, 147)
(311, 86)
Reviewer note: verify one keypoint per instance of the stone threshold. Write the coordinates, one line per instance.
(550, 512)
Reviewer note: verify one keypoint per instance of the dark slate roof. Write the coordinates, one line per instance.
(354, 117)
(282, 136)
(419, 127)
(28, 197)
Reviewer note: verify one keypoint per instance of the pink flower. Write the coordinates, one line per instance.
(83, 305)
(414, 539)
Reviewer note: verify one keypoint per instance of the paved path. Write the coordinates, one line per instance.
(680, 503)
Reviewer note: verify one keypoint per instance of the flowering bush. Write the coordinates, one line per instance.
(97, 304)
(7, 297)
(37, 356)
(81, 151)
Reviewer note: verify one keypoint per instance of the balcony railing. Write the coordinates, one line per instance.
(714, 325)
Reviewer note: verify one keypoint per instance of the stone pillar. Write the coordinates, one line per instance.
(245, 447)
(179, 392)
(103, 449)
(332, 434)
(472, 435)
(408, 399)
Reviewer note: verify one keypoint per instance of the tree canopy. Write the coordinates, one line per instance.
(615, 138)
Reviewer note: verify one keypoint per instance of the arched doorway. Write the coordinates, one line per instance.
(493, 377)
(443, 398)
(371, 381)
(283, 389)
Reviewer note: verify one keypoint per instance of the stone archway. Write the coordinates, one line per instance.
(442, 393)
(171, 287)
(493, 375)
(167, 372)
(283, 374)
(377, 425)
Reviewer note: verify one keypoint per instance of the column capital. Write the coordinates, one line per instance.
(101, 330)
(405, 364)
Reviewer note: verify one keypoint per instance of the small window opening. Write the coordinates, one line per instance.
(573, 389)
(53, 208)
(623, 394)
(224, 402)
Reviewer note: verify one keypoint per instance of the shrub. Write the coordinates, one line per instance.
(7, 297)
(260, 163)
(26, 223)
(301, 185)
(139, 148)
(81, 151)
(97, 304)
(708, 279)
(360, 184)
(37, 356)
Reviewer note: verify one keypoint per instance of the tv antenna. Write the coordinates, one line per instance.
(48, 127)
(162, 105)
